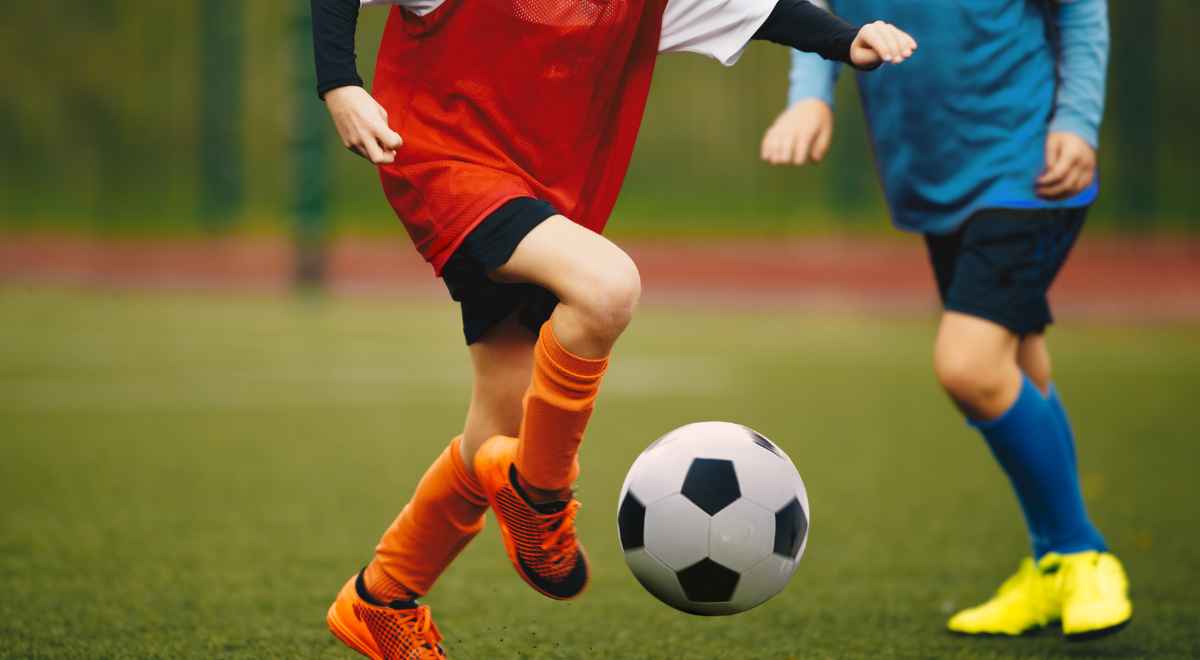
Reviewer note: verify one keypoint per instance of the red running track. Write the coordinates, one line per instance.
(1110, 278)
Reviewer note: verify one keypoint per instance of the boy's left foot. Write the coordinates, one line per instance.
(1095, 594)
(538, 536)
(1027, 601)
(400, 631)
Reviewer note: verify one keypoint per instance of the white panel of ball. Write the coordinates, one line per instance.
(762, 582)
(655, 577)
(676, 531)
(741, 535)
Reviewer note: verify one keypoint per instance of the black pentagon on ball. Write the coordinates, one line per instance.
(711, 484)
(791, 526)
(761, 441)
(706, 581)
(631, 522)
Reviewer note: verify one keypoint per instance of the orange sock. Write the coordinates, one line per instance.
(558, 405)
(444, 514)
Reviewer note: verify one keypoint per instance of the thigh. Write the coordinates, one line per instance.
(1034, 359)
(569, 260)
(968, 341)
(485, 302)
(1006, 262)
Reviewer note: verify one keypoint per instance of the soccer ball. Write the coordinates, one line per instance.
(713, 518)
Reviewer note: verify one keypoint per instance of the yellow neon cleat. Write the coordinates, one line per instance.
(1094, 592)
(1025, 602)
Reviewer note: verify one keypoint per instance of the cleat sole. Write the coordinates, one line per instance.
(1032, 632)
(1099, 633)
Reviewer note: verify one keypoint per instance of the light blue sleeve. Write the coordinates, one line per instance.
(1083, 45)
(812, 77)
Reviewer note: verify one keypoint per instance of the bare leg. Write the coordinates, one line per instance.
(503, 362)
(1034, 359)
(976, 362)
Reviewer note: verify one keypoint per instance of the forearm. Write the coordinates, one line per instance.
(1083, 50)
(811, 78)
(333, 26)
(802, 25)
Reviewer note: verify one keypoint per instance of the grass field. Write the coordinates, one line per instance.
(193, 476)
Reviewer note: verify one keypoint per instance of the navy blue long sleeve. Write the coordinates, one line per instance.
(333, 24)
(809, 28)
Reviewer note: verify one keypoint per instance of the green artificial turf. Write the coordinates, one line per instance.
(194, 476)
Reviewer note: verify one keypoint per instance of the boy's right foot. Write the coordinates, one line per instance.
(1095, 595)
(400, 631)
(538, 536)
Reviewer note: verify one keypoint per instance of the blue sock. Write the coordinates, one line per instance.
(1033, 444)
(1064, 424)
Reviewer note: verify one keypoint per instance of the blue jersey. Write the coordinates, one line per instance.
(962, 126)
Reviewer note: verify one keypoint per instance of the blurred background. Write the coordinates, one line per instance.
(192, 459)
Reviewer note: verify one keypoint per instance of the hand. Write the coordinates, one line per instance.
(880, 42)
(362, 124)
(1070, 167)
(801, 134)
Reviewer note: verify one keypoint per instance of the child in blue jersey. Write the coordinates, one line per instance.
(988, 149)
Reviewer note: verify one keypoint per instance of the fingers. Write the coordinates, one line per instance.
(876, 41)
(1070, 184)
(890, 42)
(777, 143)
(889, 37)
(1060, 166)
(373, 152)
(800, 135)
(389, 139)
(376, 142)
(1068, 187)
(1070, 167)
(783, 146)
(820, 147)
(379, 149)
(801, 147)
(1055, 163)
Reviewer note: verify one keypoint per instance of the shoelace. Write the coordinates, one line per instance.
(560, 537)
(422, 622)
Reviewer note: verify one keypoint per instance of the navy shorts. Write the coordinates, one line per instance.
(486, 303)
(1000, 264)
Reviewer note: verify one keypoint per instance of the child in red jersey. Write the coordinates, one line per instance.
(502, 130)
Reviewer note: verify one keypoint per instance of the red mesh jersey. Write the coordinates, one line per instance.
(498, 99)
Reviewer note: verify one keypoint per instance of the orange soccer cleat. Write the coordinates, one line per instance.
(539, 537)
(401, 631)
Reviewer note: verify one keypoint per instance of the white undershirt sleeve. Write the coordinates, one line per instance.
(418, 7)
(720, 29)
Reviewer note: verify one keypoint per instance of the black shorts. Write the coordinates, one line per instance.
(1001, 262)
(484, 302)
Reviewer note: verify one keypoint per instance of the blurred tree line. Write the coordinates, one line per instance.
(130, 115)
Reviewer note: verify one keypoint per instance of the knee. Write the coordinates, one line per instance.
(610, 298)
(975, 381)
